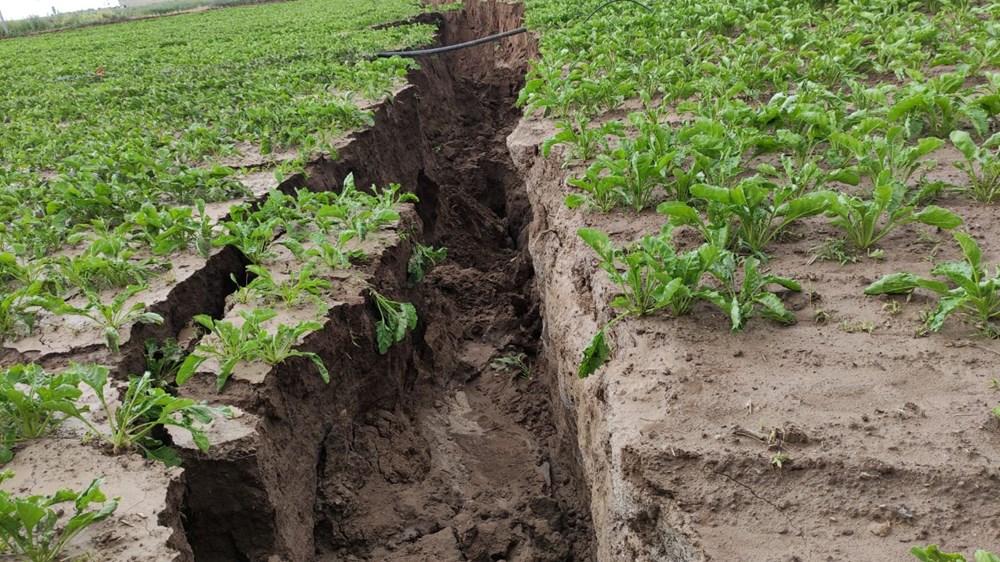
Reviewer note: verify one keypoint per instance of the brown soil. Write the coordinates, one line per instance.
(890, 437)
(426, 453)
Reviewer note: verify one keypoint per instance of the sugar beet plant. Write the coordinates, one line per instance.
(981, 165)
(141, 408)
(652, 275)
(38, 528)
(32, 404)
(970, 291)
(395, 318)
(250, 341)
(933, 554)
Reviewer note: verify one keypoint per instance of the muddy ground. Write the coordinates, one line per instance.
(429, 453)
(889, 434)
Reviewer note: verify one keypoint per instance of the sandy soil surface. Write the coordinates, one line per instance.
(890, 436)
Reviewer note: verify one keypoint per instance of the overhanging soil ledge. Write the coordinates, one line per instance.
(427, 452)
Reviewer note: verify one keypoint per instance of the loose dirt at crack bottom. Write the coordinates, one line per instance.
(472, 468)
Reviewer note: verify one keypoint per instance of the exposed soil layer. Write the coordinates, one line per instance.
(468, 466)
(889, 435)
(426, 453)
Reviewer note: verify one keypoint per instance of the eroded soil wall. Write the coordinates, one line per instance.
(425, 453)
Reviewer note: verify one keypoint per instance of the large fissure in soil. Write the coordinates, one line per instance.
(428, 452)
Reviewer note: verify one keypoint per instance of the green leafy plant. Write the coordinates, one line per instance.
(982, 165)
(652, 276)
(936, 105)
(230, 344)
(975, 293)
(28, 400)
(583, 142)
(743, 299)
(867, 221)
(421, 261)
(646, 283)
(304, 287)
(277, 348)
(395, 318)
(891, 152)
(249, 342)
(933, 554)
(142, 408)
(164, 360)
(780, 459)
(333, 255)
(18, 310)
(38, 528)
(249, 233)
(760, 209)
(513, 363)
(113, 317)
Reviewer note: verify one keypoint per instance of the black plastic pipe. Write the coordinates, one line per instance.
(450, 48)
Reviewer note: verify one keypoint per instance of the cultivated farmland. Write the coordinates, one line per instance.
(652, 281)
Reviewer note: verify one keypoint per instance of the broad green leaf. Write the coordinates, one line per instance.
(680, 213)
(594, 355)
(596, 239)
(963, 142)
(188, 368)
(894, 283)
(932, 215)
(575, 200)
(712, 193)
(933, 554)
(970, 248)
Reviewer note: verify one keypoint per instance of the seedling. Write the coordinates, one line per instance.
(513, 363)
(833, 249)
(892, 308)
(38, 528)
(866, 221)
(164, 360)
(933, 554)
(982, 165)
(976, 294)
(113, 317)
(994, 384)
(230, 345)
(277, 348)
(143, 407)
(395, 318)
(421, 261)
(822, 316)
(29, 402)
(292, 291)
(779, 459)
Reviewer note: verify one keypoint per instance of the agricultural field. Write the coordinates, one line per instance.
(146, 169)
(653, 281)
(768, 247)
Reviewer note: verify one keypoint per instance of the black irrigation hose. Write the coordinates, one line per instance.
(495, 37)
(450, 48)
